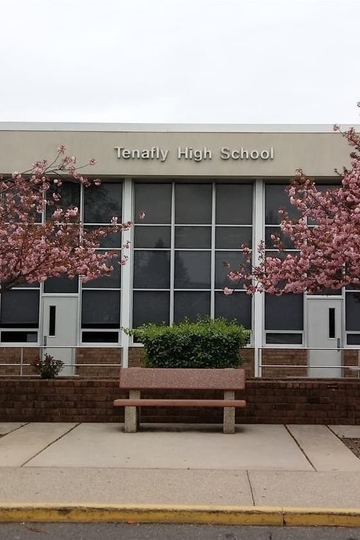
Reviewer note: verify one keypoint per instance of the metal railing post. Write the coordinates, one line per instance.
(21, 360)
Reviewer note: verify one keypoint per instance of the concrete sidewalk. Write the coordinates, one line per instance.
(261, 465)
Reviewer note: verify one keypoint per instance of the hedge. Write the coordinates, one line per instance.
(206, 343)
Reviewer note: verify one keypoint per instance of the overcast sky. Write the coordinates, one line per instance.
(192, 61)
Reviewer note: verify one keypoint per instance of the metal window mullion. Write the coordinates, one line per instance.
(126, 271)
(80, 282)
(172, 255)
(258, 318)
(213, 254)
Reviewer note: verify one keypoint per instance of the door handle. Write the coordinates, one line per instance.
(338, 344)
(45, 341)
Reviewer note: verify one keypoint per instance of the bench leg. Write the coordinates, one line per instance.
(132, 414)
(229, 414)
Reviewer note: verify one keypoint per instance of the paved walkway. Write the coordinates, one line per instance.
(261, 465)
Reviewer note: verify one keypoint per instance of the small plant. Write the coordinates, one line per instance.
(48, 367)
(205, 343)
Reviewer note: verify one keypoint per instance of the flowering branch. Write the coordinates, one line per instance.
(326, 237)
(32, 251)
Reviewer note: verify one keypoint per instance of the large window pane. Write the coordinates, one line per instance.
(352, 311)
(20, 309)
(234, 259)
(102, 202)
(237, 306)
(193, 237)
(151, 307)
(234, 204)
(191, 304)
(61, 285)
(275, 199)
(192, 270)
(113, 281)
(155, 201)
(70, 196)
(111, 240)
(151, 269)
(152, 237)
(284, 312)
(101, 309)
(233, 237)
(193, 203)
(285, 238)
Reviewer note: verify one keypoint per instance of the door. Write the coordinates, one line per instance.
(60, 328)
(324, 331)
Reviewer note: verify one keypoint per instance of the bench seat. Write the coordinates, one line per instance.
(180, 403)
(136, 380)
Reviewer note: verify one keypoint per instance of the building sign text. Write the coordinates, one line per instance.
(195, 154)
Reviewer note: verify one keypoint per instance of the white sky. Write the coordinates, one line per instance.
(192, 61)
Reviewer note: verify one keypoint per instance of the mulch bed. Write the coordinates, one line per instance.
(353, 445)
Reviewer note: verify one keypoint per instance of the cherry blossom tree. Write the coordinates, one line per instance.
(326, 237)
(33, 248)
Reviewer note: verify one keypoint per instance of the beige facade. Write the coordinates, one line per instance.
(205, 190)
(172, 150)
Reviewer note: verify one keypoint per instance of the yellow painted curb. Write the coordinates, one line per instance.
(223, 515)
(326, 517)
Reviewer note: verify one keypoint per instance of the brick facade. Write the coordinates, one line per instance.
(111, 355)
(268, 401)
(98, 356)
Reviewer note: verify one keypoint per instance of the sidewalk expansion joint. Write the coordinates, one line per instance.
(251, 488)
(300, 448)
(50, 444)
(15, 429)
(208, 514)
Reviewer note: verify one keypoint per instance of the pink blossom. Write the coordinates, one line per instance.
(142, 215)
(327, 255)
(32, 252)
(227, 291)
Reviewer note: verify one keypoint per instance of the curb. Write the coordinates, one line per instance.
(224, 515)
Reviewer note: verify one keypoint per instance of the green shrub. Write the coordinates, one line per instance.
(204, 344)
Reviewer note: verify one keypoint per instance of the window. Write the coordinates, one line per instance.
(100, 311)
(284, 315)
(20, 309)
(189, 230)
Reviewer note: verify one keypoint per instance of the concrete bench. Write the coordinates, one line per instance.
(137, 379)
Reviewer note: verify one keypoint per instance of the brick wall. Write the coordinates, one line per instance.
(287, 357)
(98, 356)
(351, 358)
(12, 358)
(136, 356)
(268, 401)
(110, 355)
